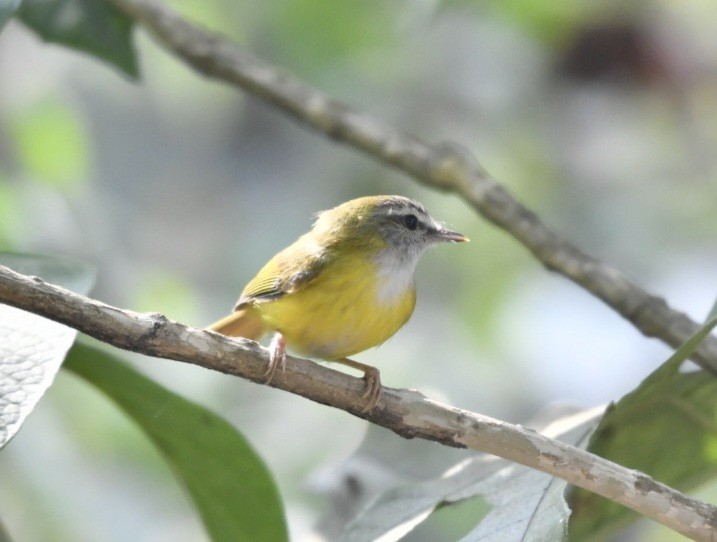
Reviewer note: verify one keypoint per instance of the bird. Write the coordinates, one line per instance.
(344, 287)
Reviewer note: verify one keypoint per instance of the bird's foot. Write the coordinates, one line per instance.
(372, 376)
(373, 389)
(277, 357)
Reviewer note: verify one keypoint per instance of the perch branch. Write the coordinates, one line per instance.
(408, 413)
(445, 166)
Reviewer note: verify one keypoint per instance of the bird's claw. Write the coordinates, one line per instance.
(373, 389)
(277, 358)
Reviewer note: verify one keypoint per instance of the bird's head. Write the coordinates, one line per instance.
(377, 223)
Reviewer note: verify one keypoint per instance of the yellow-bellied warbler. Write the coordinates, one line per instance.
(345, 286)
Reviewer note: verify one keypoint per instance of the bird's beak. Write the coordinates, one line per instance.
(444, 235)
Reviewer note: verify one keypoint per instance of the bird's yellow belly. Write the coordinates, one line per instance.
(339, 314)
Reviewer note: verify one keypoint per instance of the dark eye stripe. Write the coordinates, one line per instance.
(411, 222)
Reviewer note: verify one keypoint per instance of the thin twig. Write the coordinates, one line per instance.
(446, 166)
(407, 413)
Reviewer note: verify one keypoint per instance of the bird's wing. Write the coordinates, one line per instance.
(289, 271)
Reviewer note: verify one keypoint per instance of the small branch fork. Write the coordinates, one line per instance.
(446, 166)
(407, 413)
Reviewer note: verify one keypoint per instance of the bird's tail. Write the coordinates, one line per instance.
(242, 323)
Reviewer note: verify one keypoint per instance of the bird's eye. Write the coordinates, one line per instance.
(411, 222)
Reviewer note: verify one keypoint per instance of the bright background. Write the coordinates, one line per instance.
(601, 118)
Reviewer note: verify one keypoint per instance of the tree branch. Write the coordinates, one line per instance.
(446, 166)
(408, 413)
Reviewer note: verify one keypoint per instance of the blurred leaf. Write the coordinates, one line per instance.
(668, 408)
(166, 292)
(7, 10)
(232, 19)
(230, 485)
(52, 144)
(549, 21)
(4, 536)
(330, 32)
(527, 505)
(91, 26)
(379, 464)
(33, 347)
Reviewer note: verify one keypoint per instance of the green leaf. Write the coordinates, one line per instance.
(229, 483)
(549, 21)
(7, 10)
(52, 144)
(527, 505)
(669, 409)
(167, 292)
(33, 347)
(91, 26)
(355, 28)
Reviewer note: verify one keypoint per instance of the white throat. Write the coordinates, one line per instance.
(395, 274)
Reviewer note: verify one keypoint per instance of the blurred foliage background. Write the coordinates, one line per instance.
(602, 117)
